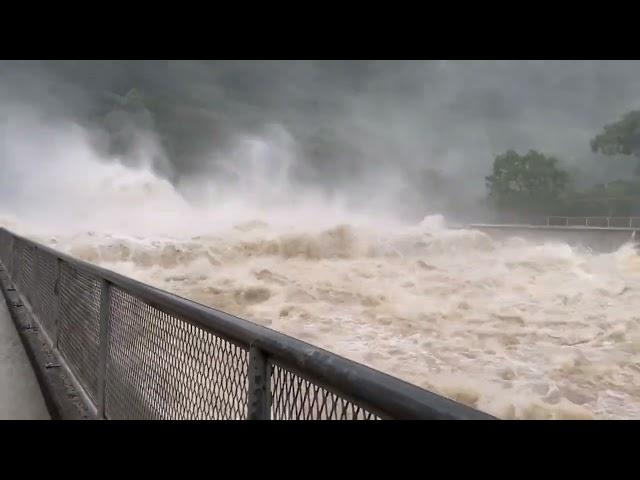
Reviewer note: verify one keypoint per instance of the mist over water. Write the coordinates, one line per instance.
(347, 250)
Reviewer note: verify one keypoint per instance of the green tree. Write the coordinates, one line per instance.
(531, 183)
(620, 138)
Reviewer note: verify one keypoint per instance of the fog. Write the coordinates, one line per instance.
(412, 137)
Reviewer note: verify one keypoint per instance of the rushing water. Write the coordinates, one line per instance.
(512, 328)
(517, 329)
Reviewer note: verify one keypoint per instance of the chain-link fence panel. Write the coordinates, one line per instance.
(79, 324)
(295, 398)
(163, 367)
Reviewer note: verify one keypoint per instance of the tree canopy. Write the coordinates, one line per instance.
(531, 183)
(620, 138)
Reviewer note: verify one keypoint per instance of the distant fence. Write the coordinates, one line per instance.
(142, 353)
(608, 222)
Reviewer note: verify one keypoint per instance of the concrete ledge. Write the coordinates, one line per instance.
(56, 396)
(20, 394)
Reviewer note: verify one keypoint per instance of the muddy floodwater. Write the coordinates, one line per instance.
(515, 329)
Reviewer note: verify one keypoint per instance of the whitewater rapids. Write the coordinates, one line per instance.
(515, 329)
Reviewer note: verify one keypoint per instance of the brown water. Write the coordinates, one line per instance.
(512, 328)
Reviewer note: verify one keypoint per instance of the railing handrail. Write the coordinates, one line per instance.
(611, 221)
(378, 391)
(593, 216)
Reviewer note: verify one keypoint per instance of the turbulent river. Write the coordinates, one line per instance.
(515, 329)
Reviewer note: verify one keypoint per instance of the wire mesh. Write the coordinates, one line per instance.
(44, 300)
(27, 267)
(6, 242)
(15, 263)
(79, 325)
(295, 398)
(163, 367)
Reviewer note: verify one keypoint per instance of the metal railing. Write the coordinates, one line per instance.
(608, 222)
(138, 352)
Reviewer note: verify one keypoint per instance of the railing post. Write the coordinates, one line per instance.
(14, 250)
(105, 300)
(35, 303)
(56, 291)
(259, 386)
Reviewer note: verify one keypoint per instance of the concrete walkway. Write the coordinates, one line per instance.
(20, 396)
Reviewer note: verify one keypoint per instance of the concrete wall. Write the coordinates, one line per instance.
(598, 239)
(20, 395)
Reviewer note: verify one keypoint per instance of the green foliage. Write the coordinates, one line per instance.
(621, 137)
(531, 183)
